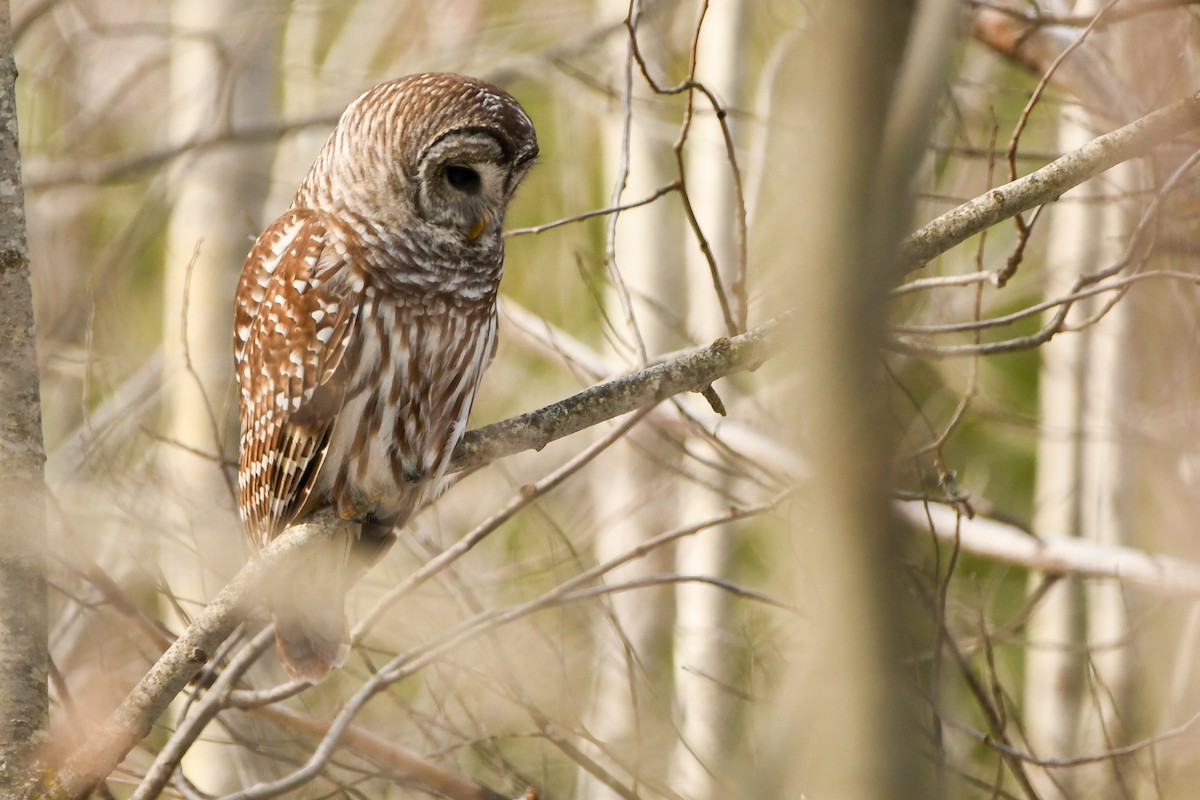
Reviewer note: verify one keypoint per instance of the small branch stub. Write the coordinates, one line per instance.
(714, 400)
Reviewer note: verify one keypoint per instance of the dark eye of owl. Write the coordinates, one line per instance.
(464, 179)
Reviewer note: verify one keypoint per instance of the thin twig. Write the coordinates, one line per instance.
(1005, 320)
(599, 212)
(190, 728)
(690, 86)
(134, 718)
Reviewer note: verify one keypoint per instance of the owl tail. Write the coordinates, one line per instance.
(309, 613)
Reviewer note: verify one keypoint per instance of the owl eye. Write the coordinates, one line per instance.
(464, 179)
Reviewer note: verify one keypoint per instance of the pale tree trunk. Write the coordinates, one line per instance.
(220, 79)
(319, 81)
(309, 88)
(843, 723)
(1053, 668)
(1108, 509)
(705, 704)
(302, 97)
(24, 661)
(1077, 670)
(633, 503)
(1106, 497)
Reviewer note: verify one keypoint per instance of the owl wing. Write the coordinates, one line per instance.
(294, 319)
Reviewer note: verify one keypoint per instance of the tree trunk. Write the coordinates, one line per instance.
(214, 219)
(705, 653)
(1053, 668)
(842, 722)
(24, 661)
(633, 500)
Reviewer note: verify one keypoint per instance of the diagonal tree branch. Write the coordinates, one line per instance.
(1048, 183)
(690, 372)
(133, 719)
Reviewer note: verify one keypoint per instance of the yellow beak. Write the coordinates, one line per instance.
(478, 230)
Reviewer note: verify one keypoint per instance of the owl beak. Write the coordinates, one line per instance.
(478, 229)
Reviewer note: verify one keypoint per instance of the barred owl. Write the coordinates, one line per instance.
(364, 319)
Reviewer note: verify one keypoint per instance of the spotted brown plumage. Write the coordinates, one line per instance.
(365, 317)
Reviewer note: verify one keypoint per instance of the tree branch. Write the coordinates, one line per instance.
(1055, 555)
(55, 175)
(133, 719)
(690, 372)
(1048, 183)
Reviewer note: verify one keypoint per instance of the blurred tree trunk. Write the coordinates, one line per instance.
(218, 80)
(843, 726)
(310, 87)
(24, 661)
(705, 653)
(632, 500)
(304, 94)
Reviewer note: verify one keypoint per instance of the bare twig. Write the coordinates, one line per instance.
(1025, 229)
(599, 212)
(624, 299)
(661, 580)
(690, 86)
(1043, 82)
(1090, 758)
(193, 725)
(524, 497)
(687, 415)
(1114, 285)
(129, 167)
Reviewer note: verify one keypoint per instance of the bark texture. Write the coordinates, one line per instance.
(23, 655)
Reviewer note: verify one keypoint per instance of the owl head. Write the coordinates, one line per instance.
(438, 151)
